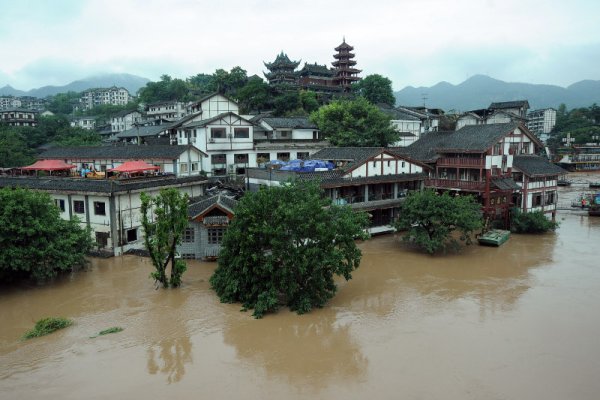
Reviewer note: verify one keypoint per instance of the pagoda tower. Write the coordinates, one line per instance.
(345, 73)
(281, 71)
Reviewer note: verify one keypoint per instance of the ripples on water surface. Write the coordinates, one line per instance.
(516, 322)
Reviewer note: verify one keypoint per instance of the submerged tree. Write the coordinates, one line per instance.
(35, 243)
(284, 247)
(164, 219)
(432, 218)
(531, 222)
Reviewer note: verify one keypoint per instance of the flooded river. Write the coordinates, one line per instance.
(516, 322)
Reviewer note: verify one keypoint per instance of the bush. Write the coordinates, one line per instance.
(532, 222)
(46, 326)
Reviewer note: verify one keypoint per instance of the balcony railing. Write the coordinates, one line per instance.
(461, 162)
(455, 184)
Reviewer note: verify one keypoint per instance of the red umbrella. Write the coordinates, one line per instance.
(49, 165)
(134, 166)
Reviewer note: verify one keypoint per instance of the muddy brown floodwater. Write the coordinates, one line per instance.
(517, 322)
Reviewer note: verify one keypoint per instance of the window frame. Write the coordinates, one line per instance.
(78, 206)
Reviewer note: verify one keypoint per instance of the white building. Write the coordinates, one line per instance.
(541, 122)
(168, 110)
(125, 120)
(84, 122)
(111, 208)
(19, 117)
(117, 96)
(178, 160)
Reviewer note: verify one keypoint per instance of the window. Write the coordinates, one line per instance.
(283, 156)
(189, 235)
(79, 206)
(217, 133)
(131, 235)
(195, 166)
(240, 158)
(241, 133)
(102, 239)
(302, 155)
(218, 159)
(99, 208)
(183, 167)
(215, 235)
(60, 204)
(219, 172)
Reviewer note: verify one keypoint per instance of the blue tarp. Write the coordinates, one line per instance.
(306, 165)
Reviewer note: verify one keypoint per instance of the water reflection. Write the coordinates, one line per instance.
(169, 356)
(316, 348)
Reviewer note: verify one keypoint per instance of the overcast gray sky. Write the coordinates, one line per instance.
(413, 42)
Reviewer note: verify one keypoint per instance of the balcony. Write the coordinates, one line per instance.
(474, 186)
(461, 162)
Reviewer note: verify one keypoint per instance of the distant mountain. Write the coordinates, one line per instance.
(128, 81)
(480, 91)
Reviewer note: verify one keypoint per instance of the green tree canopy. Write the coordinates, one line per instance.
(164, 218)
(531, 222)
(35, 242)
(377, 89)
(14, 151)
(431, 219)
(355, 123)
(62, 103)
(254, 96)
(284, 247)
(166, 89)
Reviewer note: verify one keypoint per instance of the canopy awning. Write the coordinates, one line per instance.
(134, 166)
(49, 165)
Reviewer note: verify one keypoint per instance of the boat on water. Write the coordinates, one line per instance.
(579, 157)
(563, 182)
(594, 208)
(494, 237)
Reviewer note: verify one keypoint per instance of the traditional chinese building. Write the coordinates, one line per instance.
(345, 73)
(317, 78)
(282, 70)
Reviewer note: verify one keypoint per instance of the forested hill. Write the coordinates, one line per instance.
(130, 82)
(480, 91)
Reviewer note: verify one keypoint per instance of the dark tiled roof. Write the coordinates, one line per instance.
(199, 207)
(470, 138)
(25, 110)
(59, 184)
(355, 155)
(505, 184)
(532, 165)
(509, 104)
(316, 69)
(123, 113)
(130, 152)
(397, 114)
(143, 131)
(292, 122)
(424, 149)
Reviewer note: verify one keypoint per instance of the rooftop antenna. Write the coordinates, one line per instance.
(424, 97)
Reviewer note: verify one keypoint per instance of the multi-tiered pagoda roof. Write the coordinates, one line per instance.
(282, 70)
(345, 73)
